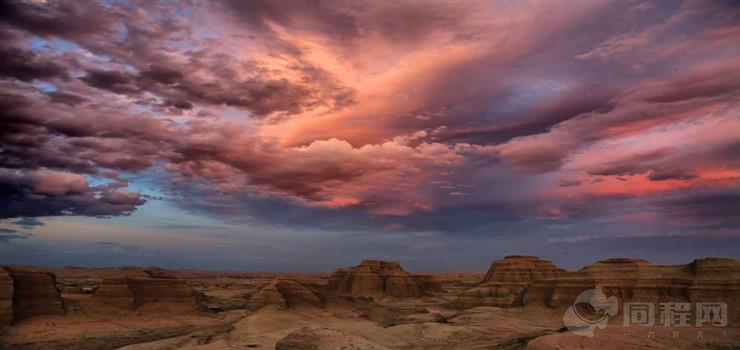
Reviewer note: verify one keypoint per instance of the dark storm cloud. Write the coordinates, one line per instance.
(25, 65)
(162, 75)
(478, 119)
(631, 112)
(130, 37)
(66, 98)
(63, 18)
(671, 174)
(37, 134)
(702, 208)
(307, 15)
(51, 193)
(110, 80)
(346, 21)
(569, 183)
(261, 95)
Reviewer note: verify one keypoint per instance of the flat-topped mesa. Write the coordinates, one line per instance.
(627, 279)
(376, 278)
(636, 280)
(507, 280)
(167, 290)
(34, 293)
(156, 272)
(6, 298)
(527, 281)
(133, 292)
(115, 291)
(714, 267)
(519, 268)
(286, 294)
(715, 280)
(428, 284)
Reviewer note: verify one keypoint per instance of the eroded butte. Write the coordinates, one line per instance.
(517, 304)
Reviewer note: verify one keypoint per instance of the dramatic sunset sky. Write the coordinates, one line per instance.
(310, 135)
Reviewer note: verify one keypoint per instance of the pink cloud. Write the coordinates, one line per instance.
(57, 183)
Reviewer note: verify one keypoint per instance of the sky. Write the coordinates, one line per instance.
(307, 136)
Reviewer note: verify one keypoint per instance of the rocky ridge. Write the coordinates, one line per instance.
(375, 278)
(286, 294)
(28, 292)
(527, 281)
(133, 292)
(6, 298)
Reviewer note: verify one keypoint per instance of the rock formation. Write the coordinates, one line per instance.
(6, 298)
(303, 339)
(704, 280)
(155, 290)
(115, 291)
(285, 294)
(133, 292)
(715, 279)
(308, 338)
(520, 268)
(627, 279)
(525, 281)
(267, 295)
(375, 278)
(297, 294)
(507, 280)
(34, 293)
(428, 284)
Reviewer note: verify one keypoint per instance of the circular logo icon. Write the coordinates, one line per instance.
(580, 322)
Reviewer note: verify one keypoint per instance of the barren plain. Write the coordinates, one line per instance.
(518, 303)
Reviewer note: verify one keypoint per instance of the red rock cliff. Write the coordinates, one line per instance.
(377, 278)
(518, 281)
(34, 293)
(6, 298)
(284, 294)
(132, 292)
(507, 280)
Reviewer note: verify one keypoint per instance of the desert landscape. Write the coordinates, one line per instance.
(517, 304)
(369, 174)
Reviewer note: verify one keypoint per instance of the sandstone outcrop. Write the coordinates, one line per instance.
(297, 294)
(715, 279)
(284, 294)
(325, 339)
(156, 290)
(507, 280)
(526, 281)
(34, 293)
(267, 295)
(521, 269)
(375, 278)
(627, 279)
(133, 292)
(428, 284)
(115, 291)
(6, 298)
(303, 339)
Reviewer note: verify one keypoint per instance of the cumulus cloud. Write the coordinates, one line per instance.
(335, 106)
(45, 193)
